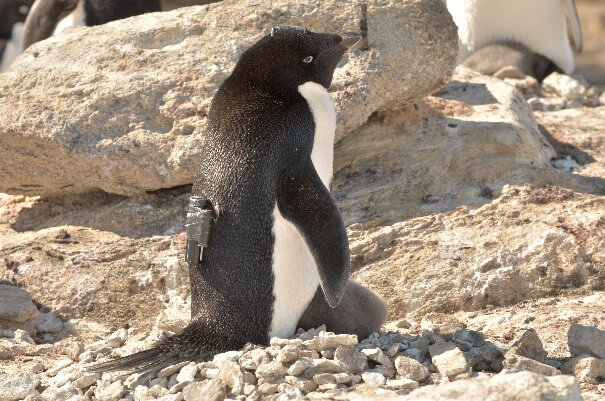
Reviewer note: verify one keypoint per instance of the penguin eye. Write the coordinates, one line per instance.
(23, 10)
(308, 59)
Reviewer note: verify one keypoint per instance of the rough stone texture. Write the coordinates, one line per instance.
(521, 245)
(516, 363)
(271, 371)
(448, 359)
(17, 386)
(110, 391)
(187, 373)
(401, 384)
(564, 85)
(518, 386)
(410, 368)
(471, 338)
(530, 346)
(211, 390)
(47, 323)
(62, 393)
(352, 360)
(123, 105)
(586, 340)
(232, 375)
(377, 356)
(373, 379)
(329, 340)
(586, 368)
(16, 304)
(578, 134)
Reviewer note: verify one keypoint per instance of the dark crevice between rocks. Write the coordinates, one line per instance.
(568, 155)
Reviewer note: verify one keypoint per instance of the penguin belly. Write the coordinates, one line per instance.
(76, 18)
(295, 273)
(13, 47)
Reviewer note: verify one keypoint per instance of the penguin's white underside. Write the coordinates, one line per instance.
(13, 46)
(294, 269)
(541, 25)
(75, 18)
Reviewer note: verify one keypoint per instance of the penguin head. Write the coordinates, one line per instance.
(292, 56)
(12, 12)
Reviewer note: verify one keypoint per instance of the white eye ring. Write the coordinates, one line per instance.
(308, 59)
(23, 10)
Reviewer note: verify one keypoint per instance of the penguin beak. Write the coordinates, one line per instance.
(349, 40)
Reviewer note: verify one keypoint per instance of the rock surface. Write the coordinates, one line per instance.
(586, 340)
(15, 304)
(522, 386)
(577, 135)
(586, 369)
(526, 243)
(17, 387)
(123, 105)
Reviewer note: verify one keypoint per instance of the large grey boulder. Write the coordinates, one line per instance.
(122, 107)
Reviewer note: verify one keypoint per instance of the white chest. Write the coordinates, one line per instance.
(13, 47)
(294, 269)
(324, 116)
(538, 24)
(76, 18)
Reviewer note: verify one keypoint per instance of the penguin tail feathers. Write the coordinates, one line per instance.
(138, 362)
(172, 350)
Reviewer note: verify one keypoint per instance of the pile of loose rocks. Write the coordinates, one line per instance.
(556, 92)
(25, 329)
(314, 364)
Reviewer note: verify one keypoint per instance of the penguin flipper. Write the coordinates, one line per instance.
(307, 203)
(43, 17)
(574, 27)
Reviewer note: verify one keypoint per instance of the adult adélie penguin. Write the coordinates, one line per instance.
(267, 248)
(49, 17)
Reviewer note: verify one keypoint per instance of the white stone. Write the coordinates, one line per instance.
(373, 379)
(187, 373)
(86, 380)
(17, 386)
(110, 391)
(410, 368)
(448, 359)
(376, 355)
(209, 390)
(401, 383)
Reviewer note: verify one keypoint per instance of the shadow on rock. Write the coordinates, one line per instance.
(156, 213)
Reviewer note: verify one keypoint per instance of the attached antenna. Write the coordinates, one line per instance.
(288, 29)
(363, 26)
(199, 219)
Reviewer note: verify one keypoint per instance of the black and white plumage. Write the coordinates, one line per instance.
(527, 34)
(277, 254)
(12, 17)
(49, 17)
